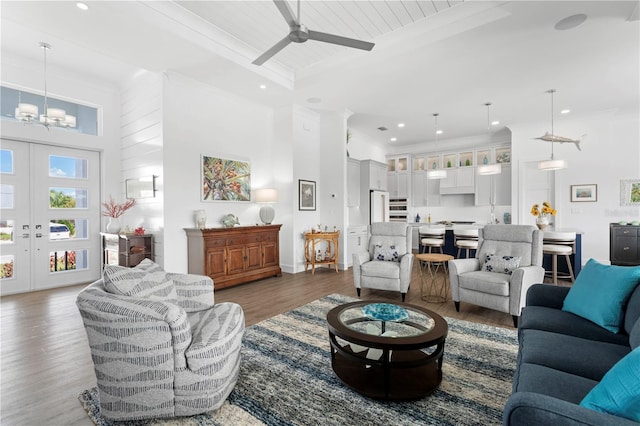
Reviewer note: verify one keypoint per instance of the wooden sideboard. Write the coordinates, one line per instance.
(232, 256)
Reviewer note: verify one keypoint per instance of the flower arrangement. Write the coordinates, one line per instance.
(115, 210)
(545, 211)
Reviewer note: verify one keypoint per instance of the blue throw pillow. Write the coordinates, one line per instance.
(600, 293)
(619, 391)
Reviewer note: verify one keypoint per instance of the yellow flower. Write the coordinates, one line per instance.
(534, 210)
(546, 209)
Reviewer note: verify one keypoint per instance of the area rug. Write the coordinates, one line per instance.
(286, 379)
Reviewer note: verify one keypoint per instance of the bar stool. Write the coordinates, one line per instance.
(431, 238)
(465, 239)
(559, 244)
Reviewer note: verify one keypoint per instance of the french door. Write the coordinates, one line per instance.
(49, 216)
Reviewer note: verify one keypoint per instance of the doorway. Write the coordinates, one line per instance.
(49, 216)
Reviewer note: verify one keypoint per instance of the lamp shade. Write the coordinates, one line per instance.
(436, 174)
(26, 111)
(490, 169)
(266, 195)
(552, 165)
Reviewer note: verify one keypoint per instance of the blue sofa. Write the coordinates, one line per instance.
(563, 356)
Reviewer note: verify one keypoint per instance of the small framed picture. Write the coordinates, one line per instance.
(307, 195)
(630, 192)
(584, 193)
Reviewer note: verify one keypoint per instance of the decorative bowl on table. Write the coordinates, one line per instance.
(385, 312)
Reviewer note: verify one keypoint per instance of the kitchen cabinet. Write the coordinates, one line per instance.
(502, 184)
(424, 191)
(624, 244)
(373, 175)
(353, 182)
(357, 241)
(231, 256)
(458, 181)
(398, 176)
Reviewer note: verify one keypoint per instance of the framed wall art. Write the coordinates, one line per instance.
(306, 195)
(584, 193)
(630, 192)
(225, 180)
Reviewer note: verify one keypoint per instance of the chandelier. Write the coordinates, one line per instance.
(28, 113)
(489, 169)
(437, 173)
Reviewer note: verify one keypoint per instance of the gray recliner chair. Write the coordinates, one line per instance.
(388, 262)
(508, 261)
(159, 344)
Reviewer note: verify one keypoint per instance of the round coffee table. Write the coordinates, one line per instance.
(389, 351)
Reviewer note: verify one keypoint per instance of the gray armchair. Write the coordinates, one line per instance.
(159, 344)
(508, 261)
(388, 262)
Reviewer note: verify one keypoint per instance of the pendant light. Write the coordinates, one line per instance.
(489, 169)
(437, 173)
(552, 164)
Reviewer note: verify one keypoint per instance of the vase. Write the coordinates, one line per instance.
(201, 219)
(542, 222)
(113, 227)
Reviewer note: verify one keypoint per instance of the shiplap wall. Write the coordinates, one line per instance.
(142, 153)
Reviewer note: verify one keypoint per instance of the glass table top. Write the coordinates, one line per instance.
(386, 319)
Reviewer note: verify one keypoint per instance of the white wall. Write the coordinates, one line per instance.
(141, 155)
(610, 152)
(200, 119)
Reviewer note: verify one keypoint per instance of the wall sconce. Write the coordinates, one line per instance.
(266, 196)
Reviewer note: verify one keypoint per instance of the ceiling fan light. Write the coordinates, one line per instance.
(550, 165)
(490, 169)
(436, 174)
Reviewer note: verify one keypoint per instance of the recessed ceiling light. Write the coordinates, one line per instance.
(393, 139)
(314, 100)
(400, 125)
(495, 123)
(570, 22)
(565, 111)
(82, 6)
(439, 132)
(263, 86)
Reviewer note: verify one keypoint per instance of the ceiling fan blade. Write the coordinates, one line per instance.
(286, 12)
(343, 41)
(269, 53)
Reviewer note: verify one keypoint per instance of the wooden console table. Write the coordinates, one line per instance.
(314, 257)
(232, 256)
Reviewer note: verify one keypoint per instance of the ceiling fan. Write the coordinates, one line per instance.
(298, 33)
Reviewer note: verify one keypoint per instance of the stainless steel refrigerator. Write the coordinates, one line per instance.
(379, 206)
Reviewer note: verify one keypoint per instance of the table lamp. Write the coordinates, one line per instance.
(266, 196)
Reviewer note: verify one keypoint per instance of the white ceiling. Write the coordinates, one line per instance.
(430, 56)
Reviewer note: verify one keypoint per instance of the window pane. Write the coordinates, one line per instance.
(6, 231)
(68, 260)
(65, 229)
(6, 266)
(67, 167)
(67, 198)
(6, 196)
(6, 161)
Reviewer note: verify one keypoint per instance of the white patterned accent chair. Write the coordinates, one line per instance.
(388, 262)
(508, 261)
(160, 346)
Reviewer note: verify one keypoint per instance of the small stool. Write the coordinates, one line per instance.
(433, 289)
(431, 238)
(559, 244)
(465, 239)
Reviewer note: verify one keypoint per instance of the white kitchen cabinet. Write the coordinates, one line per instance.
(353, 182)
(458, 181)
(373, 175)
(398, 176)
(357, 241)
(424, 191)
(502, 187)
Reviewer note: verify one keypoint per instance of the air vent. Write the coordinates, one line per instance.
(382, 128)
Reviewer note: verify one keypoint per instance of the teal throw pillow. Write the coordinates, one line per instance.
(619, 391)
(600, 293)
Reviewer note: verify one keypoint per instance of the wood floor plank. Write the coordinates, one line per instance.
(45, 359)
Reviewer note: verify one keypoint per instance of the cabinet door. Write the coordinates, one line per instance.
(503, 186)
(235, 259)
(392, 184)
(215, 262)
(449, 181)
(378, 175)
(254, 256)
(466, 177)
(403, 185)
(433, 192)
(483, 190)
(418, 190)
(270, 254)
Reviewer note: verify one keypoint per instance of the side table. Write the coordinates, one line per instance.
(434, 276)
(330, 255)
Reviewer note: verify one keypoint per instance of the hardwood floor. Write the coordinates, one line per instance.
(45, 359)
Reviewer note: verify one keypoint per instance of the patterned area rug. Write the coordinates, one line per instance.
(286, 379)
